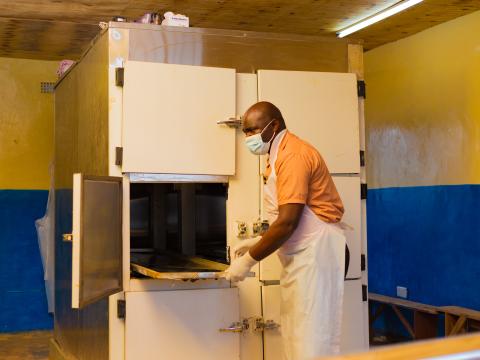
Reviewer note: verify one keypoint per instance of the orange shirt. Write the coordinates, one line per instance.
(303, 178)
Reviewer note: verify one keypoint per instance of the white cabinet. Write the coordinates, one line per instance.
(321, 108)
(170, 115)
(182, 325)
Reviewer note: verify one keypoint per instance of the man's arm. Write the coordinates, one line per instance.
(287, 221)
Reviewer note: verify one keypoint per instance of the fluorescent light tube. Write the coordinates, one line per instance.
(378, 17)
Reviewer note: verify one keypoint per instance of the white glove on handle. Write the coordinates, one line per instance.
(240, 268)
(242, 247)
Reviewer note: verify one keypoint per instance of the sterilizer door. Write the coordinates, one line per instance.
(170, 115)
(97, 238)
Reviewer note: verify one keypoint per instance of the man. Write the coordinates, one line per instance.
(304, 210)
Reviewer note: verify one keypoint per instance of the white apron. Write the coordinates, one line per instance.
(312, 279)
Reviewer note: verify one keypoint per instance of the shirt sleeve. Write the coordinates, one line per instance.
(293, 178)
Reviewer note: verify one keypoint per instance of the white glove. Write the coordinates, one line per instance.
(240, 268)
(242, 247)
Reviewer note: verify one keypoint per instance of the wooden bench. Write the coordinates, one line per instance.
(425, 317)
(459, 320)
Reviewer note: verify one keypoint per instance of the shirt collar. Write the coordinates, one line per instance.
(276, 142)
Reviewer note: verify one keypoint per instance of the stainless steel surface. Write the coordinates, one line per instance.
(243, 50)
(81, 135)
(101, 239)
(177, 178)
(67, 237)
(231, 122)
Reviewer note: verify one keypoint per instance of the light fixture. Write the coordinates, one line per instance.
(395, 9)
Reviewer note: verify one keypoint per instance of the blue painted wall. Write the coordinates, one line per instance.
(23, 302)
(427, 239)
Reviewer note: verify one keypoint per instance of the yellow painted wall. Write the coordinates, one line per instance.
(26, 123)
(423, 107)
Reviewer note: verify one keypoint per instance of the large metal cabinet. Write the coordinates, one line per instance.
(138, 118)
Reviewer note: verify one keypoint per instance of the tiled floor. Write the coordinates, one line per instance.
(25, 346)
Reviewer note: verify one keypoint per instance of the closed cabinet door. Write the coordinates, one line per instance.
(170, 115)
(321, 108)
(96, 238)
(183, 325)
(354, 334)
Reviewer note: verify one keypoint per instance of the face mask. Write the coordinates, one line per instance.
(255, 142)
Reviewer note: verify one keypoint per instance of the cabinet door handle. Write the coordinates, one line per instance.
(236, 327)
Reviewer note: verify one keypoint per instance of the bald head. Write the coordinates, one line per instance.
(259, 115)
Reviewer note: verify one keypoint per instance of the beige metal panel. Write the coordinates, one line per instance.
(117, 55)
(243, 206)
(170, 119)
(349, 190)
(354, 328)
(245, 51)
(182, 325)
(81, 134)
(272, 339)
(321, 108)
(97, 239)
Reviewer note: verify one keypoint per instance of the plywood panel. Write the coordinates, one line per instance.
(30, 26)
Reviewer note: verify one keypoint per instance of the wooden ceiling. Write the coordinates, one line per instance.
(61, 29)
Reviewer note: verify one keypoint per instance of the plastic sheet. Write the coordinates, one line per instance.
(46, 240)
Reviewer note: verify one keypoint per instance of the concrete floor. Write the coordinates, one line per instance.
(31, 345)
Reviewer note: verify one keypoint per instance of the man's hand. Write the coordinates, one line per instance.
(242, 247)
(240, 268)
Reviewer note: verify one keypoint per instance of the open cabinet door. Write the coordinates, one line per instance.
(97, 238)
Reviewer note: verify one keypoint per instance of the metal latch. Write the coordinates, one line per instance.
(242, 229)
(260, 227)
(262, 325)
(231, 122)
(67, 237)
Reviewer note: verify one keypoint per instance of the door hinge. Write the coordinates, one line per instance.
(118, 155)
(364, 293)
(363, 262)
(119, 76)
(362, 158)
(361, 89)
(363, 191)
(121, 309)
